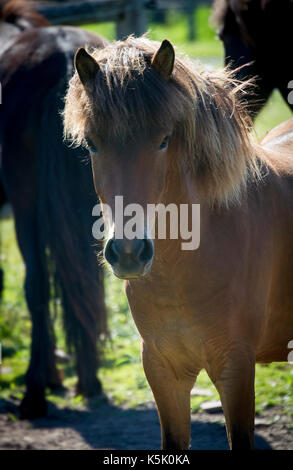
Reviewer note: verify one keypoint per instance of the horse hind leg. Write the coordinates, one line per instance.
(82, 335)
(42, 370)
(88, 384)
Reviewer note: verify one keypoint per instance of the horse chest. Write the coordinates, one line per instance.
(168, 323)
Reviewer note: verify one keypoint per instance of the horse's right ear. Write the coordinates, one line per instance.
(86, 67)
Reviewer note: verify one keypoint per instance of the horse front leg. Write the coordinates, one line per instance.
(42, 371)
(172, 396)
(234, 381)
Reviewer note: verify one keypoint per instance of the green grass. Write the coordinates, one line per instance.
(275, 112)
(121, 372)
(15, 324)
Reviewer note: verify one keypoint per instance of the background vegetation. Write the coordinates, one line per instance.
(121, 373)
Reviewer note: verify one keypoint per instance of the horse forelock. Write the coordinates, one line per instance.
(210, 123)
(129, 94)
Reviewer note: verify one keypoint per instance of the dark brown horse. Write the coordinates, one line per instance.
(159, 131)
(258, 33)
(51, 191)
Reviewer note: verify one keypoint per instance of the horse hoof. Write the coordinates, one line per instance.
(32, 407)
(57, 388)
(90, 389)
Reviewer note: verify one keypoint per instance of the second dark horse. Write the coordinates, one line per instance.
(258, 33)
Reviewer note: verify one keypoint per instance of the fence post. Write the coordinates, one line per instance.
(190, 8)
(132, 21)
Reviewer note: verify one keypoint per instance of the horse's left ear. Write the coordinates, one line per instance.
(86, 67)
(163, 59)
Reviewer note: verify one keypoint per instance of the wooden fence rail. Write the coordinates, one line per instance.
(130, 16)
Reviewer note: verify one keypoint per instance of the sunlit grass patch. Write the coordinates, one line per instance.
(274, 386)
(274, 112)
(176, 30)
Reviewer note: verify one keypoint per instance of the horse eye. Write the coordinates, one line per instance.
(165, 142)
(91, 146)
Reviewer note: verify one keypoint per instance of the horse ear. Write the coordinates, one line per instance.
(163, 59)
(86, 67)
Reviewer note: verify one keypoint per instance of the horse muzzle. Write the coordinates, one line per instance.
(129, 259)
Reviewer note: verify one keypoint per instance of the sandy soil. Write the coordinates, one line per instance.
(110, 427)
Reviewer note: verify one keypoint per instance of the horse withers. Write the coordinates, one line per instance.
(159, 131)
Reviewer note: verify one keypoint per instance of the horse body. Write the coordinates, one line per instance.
(51, 192)
(241, 272)
(221, 308)
(184, 139)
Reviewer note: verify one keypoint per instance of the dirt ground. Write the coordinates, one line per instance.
(110, 427)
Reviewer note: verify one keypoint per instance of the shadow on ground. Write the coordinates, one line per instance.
(104, 427)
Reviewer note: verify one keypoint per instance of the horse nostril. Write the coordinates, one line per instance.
(130, 256)
(147, 251)
(111, 254)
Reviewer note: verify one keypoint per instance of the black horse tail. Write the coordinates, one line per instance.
(20, 14)
(67, 197)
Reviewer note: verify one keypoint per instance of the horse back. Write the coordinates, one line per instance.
(280, 138)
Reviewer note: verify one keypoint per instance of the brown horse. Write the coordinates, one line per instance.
(159, 131)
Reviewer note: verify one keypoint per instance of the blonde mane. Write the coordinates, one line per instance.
(210, 122)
